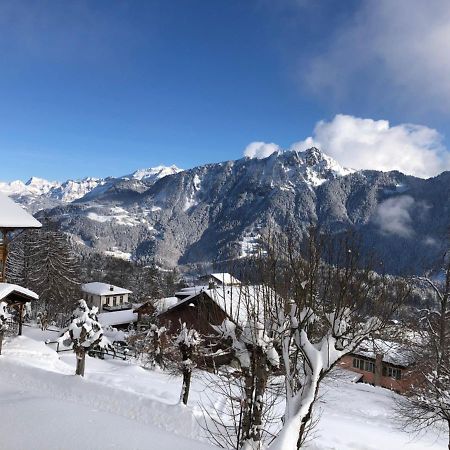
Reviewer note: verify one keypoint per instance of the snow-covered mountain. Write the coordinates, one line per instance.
(154, 173)
(218, 212)
(38, 193)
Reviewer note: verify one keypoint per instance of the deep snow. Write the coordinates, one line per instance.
(120, 405)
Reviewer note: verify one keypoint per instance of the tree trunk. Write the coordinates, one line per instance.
(247, 403)
(1, 341)
(306, 420)
(260, 388)
(186, 385)
(81, 359)
(186, 354)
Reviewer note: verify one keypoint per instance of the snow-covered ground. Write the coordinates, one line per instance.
(120, 405)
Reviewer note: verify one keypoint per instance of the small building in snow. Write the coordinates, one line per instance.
(382, 363)
(106, 297)
(16, 297)
(219, 279)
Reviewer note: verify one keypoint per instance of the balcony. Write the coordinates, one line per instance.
(122, 307)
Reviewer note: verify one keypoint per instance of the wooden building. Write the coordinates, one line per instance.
(12, 218)
(383, 363)
(203, 308)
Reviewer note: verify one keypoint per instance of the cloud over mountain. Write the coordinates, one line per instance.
(375, 144)
(370, 144)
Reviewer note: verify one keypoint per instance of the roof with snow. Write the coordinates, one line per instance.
(240, 303)
(393, 352)
(97, 288)
(13, 215)
(222, 278)
(8, 290)
(117, 317)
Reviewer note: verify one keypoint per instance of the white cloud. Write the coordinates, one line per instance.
(260, 149)
(398, 50)
(393, 216)
(374, 144)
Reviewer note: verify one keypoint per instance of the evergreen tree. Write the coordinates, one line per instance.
(50, 269)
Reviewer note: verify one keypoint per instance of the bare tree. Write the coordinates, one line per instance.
(428, 402)
(335, 301)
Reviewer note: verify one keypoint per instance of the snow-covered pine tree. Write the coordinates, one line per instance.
(20, 260)
(4, 315)
(187, 341)
(84, 333)
(54, 271)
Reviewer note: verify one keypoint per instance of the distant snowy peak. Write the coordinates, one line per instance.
(319, 167)
(154, 173)
(39, 186)
(72, 190)
(33, 187)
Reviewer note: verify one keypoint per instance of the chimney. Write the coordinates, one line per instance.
(111, 287)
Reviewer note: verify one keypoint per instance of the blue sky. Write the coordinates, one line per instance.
(102, 88)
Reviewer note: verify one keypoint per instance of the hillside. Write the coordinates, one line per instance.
(218, 212)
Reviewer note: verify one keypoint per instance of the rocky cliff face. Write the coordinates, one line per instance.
(218, 212)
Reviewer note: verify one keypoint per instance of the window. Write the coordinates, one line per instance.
(114, 301)
(362, 364)
(121, 299)
(392, 372)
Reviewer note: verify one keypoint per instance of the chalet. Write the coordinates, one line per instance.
(382, 363)
(202, 307)
(12, 218)
(106, 297)
(151, 308)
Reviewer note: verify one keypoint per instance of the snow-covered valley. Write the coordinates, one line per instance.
(121, 405)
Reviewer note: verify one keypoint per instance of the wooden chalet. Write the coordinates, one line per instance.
(12, 218)
(203, 307)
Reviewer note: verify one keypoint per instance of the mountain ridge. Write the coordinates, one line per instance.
(220, 211)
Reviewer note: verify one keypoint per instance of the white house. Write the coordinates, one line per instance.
(106, 297)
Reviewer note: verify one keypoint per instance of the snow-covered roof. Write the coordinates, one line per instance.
(117, 317)
(393, 352)
(163, 304)
(238, 302)
(13, 215)
(223, 278)
(97, 288)
(7, 289)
